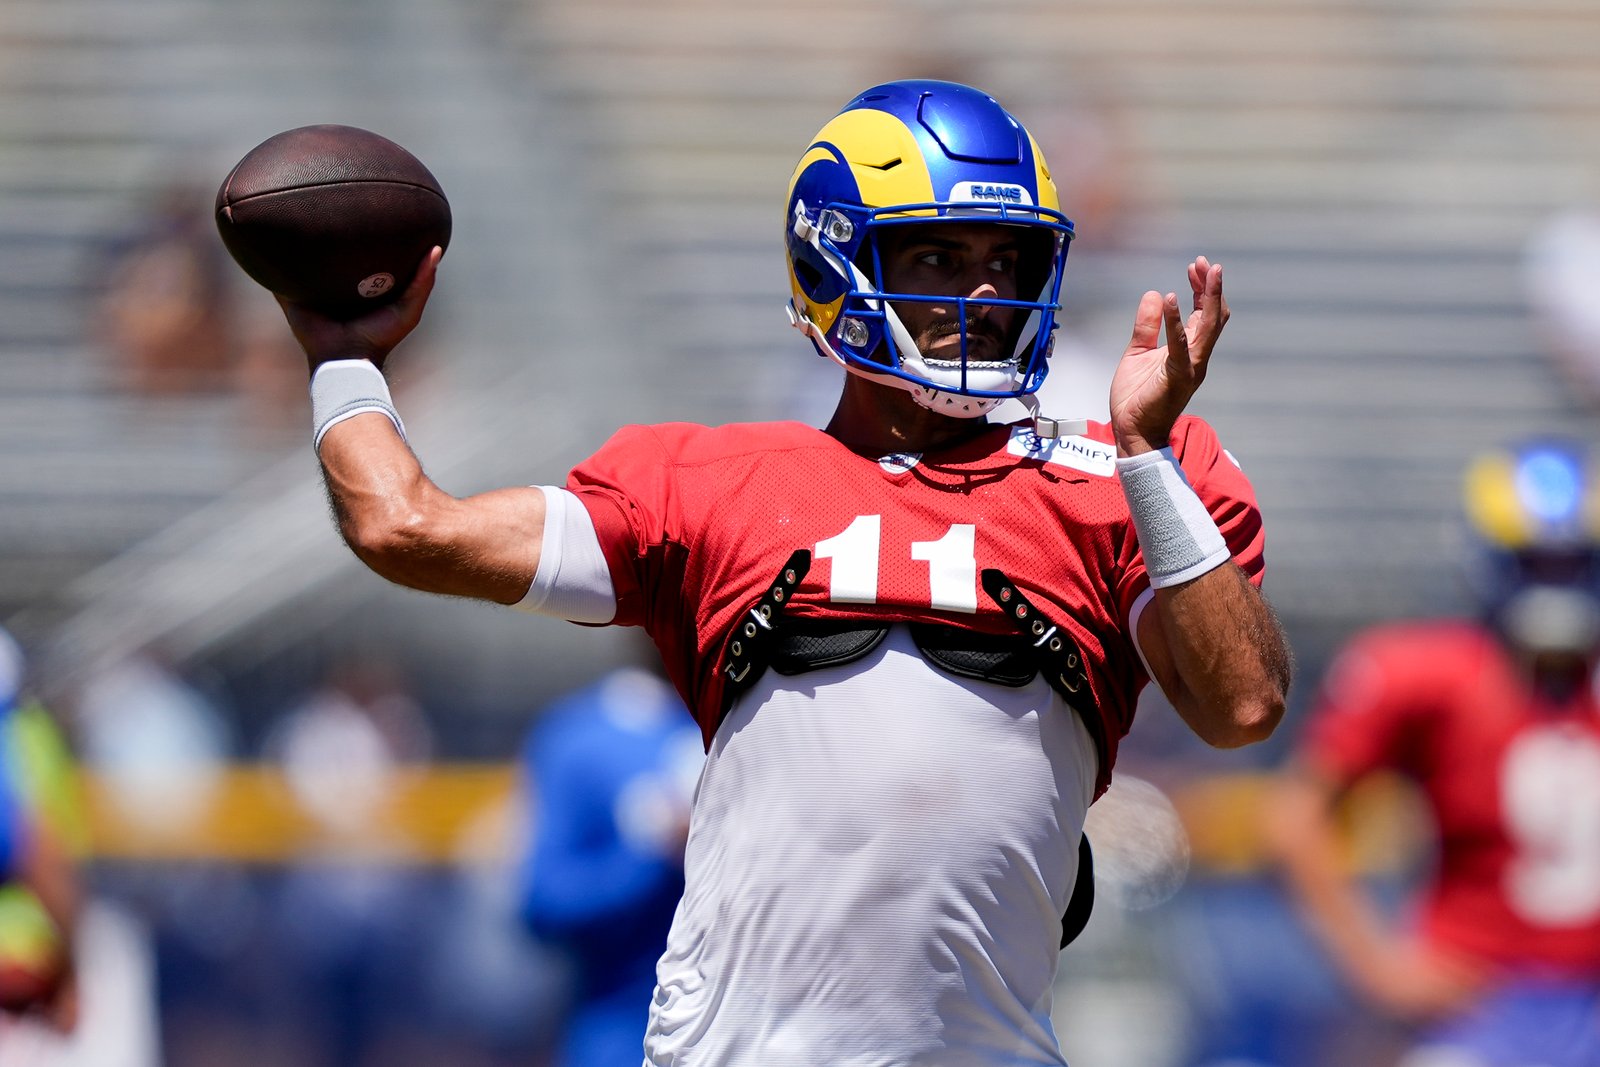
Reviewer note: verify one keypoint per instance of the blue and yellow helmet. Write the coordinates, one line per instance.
(1534, 509)
(921, 153)
(1535, 496)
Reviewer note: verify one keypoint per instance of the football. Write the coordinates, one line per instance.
(333, 217)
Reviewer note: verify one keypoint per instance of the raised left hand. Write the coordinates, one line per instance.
(1153, 384)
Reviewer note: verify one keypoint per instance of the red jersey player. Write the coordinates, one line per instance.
(911, 639)
(700, 520)
(1498, 725)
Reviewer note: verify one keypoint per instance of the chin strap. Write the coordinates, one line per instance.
(1047, 428)
(945, 402)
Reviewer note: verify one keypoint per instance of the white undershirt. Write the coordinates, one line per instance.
(876, 881)
(878, 861)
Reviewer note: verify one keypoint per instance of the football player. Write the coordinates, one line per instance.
(609, 773)
(911, 639)
(40, 895)
(1497, 723)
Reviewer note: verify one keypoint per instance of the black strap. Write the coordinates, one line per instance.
(1057, 655)
(749, 646)
(758, 642)
(1053, 648)
(1054, 651)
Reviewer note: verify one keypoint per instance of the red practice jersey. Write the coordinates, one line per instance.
(1513, 782)
(696, 523)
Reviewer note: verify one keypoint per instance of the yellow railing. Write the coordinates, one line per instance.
(451, 812)
(250, 814)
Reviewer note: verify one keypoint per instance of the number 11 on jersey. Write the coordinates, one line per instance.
(952, 564)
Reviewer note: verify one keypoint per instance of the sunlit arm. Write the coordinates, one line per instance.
(390, 513)
(1219, 655)
(1300, 832)
(408, 530)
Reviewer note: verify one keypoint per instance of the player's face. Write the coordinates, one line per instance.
(974, 260)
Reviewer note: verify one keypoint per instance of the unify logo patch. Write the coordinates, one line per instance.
(998, 192)
(1079, 453)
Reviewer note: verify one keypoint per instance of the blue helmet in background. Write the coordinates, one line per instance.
(921, 153)
(1534, 508)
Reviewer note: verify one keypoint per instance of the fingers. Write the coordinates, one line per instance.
(1147, 323)
(371, 335)
(416, 294)
(1212, 278)
(1177, 336)
(1189, 343)
(1210, 307)
(1199, 272)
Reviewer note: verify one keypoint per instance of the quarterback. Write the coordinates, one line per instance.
(911, 639)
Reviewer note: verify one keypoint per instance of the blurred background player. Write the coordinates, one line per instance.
(608, 777)
(39, 894)
(1496, 722)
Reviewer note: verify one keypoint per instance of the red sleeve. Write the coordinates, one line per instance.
(1227, 494)
(1373, 704)
(628, 489)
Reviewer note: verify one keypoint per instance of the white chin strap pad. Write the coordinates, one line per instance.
(956, 405)
(945, 401)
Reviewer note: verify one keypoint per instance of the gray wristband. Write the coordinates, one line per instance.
(1178, 537)
(343, 388)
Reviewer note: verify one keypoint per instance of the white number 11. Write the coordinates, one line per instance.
(952, 564)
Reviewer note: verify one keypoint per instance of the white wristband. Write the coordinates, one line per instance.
(1179, 538)
(342, 388)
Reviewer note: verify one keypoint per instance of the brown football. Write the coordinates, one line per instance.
(333, 217)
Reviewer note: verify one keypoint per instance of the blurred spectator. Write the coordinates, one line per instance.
(159, 746)
(167, 312)
(178, 318)
(341, 746)
(1496, 721)
(1561, 271)
(348, 934)
(610, 772)
(159, 743)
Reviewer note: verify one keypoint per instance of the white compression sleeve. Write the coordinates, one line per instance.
(573, 581)
(341, 388)
(1177, 535)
